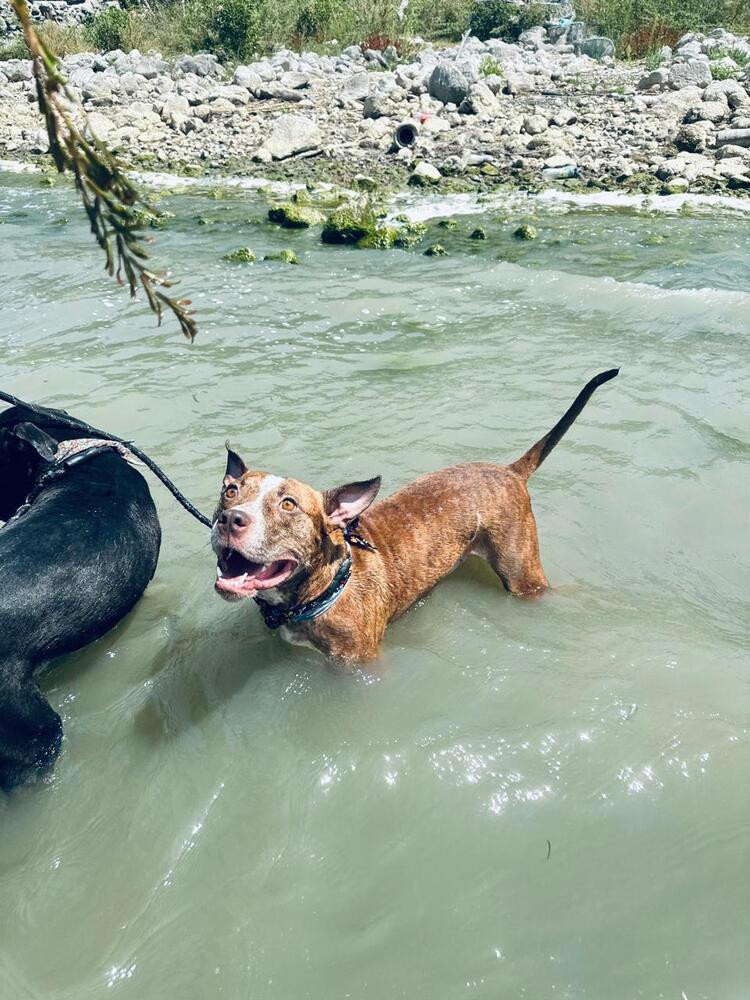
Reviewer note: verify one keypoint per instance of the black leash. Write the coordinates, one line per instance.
(80, 425)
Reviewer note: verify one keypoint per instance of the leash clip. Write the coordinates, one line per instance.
(354, 538)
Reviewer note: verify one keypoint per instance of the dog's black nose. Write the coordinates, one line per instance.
(234, 519)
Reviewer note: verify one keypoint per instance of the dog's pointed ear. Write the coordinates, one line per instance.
(344, 503)
(42, 443)
(236, 468)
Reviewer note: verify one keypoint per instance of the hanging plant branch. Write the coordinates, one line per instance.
(114, 206)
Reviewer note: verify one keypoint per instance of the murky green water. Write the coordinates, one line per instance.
(538, 800)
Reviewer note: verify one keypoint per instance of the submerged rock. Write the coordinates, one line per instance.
(436, 250)
(410, 234)
(283, 256)
(382, 238)
(525, 232)
(243, 255)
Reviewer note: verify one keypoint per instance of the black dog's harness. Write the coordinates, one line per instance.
(68, 456)
(275, 616)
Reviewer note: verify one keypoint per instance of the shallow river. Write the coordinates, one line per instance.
(539, 800)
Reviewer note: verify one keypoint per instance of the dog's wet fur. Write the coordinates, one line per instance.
(72, 567)
(282, 540)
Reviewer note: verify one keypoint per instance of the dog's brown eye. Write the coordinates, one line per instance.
(288, 504)
(230, 492)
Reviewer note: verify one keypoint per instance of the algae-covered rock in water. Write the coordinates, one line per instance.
(436, 250)
(381, 238)
(283, 256)
(348, 224)
(410, 234)
(243, 255)
(525, 232)
(295, 216)
(447, 223)
(161, 221)
(478, 234)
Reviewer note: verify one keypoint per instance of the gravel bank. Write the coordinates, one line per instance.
(534, 114)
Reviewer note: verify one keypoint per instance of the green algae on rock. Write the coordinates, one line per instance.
(380, 238)
(480, 233)
(349, 224)
(295, 216)
(436, 250)
(410, 234)
(283, 257)
(243, 255)
(525, 232)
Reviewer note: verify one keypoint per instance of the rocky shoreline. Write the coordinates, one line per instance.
(540, 113)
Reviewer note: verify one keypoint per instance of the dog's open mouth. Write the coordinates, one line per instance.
(242, 577)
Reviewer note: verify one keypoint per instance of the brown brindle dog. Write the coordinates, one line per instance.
(285, 540)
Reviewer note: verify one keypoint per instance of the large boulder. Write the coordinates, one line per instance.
(447, 84)
(248, 78)
(696, 73)
(292, 134)
(175, 110)
(707, 111)
(356, 88)
(656, 78)
(203, 64)
(479, 101)
(692, 138)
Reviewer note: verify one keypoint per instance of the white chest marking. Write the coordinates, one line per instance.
(292, 636)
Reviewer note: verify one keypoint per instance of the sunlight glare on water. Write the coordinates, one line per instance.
(536, 800)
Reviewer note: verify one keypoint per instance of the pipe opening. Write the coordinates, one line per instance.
(405, 134)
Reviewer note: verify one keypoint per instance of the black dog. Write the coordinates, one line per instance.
(73, 564)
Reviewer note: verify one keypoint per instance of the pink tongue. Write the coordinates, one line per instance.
(273, 569)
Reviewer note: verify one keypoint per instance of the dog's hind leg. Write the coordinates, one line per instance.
(511, 547)
(30, 734)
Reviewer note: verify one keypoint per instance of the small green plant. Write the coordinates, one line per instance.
(106, 30)
(719, 72)
(14, 49)
(653, 59)
(491, 67)
(740, 56)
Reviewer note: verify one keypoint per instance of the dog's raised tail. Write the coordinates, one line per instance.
(530, 462)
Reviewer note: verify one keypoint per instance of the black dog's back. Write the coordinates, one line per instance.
(73, 566)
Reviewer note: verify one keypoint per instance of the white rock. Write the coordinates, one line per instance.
(248, 78)
(697, 73)
(479, 101)
(292, 134)
(535, 124)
